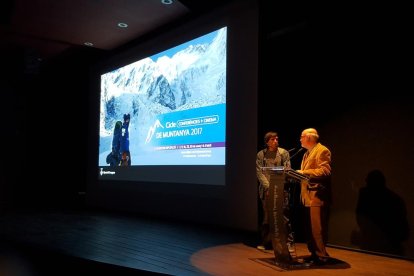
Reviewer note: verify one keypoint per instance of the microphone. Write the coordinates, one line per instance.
(301, 149)
(292, 173)
(291, 150)
(296, 153)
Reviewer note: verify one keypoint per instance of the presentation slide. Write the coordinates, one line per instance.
(168, 109)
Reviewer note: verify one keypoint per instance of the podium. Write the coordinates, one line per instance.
(275, 206)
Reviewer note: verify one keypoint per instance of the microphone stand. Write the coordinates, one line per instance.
(292, 173)
(296, 153)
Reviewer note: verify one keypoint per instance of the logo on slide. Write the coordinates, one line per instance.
(151, 131)
(102, 172)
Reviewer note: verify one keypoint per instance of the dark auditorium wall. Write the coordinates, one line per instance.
(45, 107)
(342, 74)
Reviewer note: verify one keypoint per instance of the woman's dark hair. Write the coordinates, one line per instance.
(269, 135)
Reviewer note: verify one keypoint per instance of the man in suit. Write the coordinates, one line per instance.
(316, 193)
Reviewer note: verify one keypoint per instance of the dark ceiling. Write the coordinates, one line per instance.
(47, 28)
(35, 32)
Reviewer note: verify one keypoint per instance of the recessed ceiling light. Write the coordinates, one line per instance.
(122, 25)
(167, 2)
(88, 43)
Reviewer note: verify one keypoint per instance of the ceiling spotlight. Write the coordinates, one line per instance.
(88, 44)
(122, 25)
(167, 2)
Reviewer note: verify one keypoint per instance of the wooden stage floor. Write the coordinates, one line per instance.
(68, 243)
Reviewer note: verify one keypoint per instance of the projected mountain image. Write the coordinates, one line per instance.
(176, 100)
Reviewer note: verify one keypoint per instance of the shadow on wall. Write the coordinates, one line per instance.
(381, 216)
